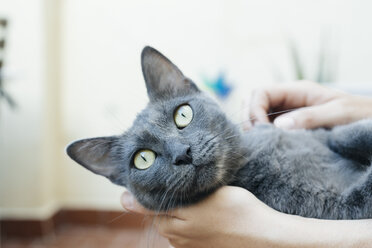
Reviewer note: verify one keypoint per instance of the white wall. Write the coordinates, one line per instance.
(78, 74)
(24, 174)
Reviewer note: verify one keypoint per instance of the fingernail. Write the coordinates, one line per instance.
(284, 122)
(127, 200)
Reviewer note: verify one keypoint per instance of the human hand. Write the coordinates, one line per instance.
(230, 217)
(315, 106)
(233, 217)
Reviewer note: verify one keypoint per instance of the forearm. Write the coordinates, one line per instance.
(295, 231)
(260, 226)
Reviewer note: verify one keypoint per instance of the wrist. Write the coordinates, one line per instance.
(296, 231)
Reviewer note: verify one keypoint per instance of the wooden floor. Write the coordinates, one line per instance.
(71, 236)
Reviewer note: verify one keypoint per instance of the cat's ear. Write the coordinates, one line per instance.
(99, 155)
(163, 79)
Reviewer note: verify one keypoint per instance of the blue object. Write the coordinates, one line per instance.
(219, 85)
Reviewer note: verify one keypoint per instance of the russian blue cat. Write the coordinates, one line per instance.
(182, 147)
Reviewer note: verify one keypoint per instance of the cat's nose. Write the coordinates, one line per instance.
(182, 155)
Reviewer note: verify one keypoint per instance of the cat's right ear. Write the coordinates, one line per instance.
(99, 155)
(163, 79)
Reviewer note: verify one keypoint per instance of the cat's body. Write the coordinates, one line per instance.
(304, 172)
(182, 147)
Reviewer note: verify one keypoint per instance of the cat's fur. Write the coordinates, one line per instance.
(314, 173)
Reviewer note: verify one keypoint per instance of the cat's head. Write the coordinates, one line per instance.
(180, 147)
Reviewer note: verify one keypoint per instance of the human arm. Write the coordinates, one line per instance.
(233, 217)
(314, 105)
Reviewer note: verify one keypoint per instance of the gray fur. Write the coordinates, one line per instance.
(314, 173)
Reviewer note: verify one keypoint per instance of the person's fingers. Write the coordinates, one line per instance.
(224, 197)
(132, 205)
(169, 226)
(287, 97)
(278, 97)
(324, 115)
(166, 224)
(259, 106)
(246, 123)
(295, 95)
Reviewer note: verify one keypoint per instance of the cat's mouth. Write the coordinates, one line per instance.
(207, 166)
(198, 179)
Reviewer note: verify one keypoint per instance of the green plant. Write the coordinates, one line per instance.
(3, 94)
(326, 62)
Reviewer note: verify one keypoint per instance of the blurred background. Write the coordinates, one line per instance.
(71, 69)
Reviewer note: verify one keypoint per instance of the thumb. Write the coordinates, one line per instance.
(131, 204)
(325, 115)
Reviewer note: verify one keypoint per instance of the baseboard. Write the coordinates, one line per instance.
(39, 227)
(30, 213)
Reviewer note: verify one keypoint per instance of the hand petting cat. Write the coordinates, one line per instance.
(313, 106)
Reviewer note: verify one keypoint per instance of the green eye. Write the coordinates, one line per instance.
(183, 116)
(144, 159)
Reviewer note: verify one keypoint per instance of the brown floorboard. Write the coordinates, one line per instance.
(82, 236)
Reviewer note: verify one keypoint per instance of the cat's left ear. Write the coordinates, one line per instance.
(163, 79)
(99, 155)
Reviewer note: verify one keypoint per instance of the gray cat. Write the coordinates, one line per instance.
(182, 147)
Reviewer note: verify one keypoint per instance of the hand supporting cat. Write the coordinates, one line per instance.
(233, 217)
